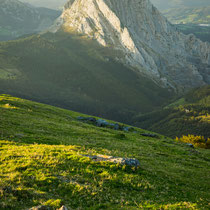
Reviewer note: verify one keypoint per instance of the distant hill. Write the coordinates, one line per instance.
(198, 15)
(168, 4)
(45, 160)
(53, 4)
(17, 19)
(188, 14)
(188, 115)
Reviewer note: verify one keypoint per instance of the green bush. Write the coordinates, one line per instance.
(197, 141)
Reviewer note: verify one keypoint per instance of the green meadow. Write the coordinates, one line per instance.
(41, 163)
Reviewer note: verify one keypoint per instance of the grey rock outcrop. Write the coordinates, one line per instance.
(104, 123)
(149, 135)
(132, 162)
(142, 38)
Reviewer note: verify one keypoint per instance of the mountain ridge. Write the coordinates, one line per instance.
(144, 36)
(17, 19)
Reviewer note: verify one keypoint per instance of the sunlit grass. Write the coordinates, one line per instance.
(41, 162)
(8, 106)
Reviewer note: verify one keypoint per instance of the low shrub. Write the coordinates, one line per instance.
(197, 141)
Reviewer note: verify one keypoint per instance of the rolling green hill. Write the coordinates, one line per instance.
(188, 115)
(168, 4)
(188, 15)
(42, 163)
(73, 72)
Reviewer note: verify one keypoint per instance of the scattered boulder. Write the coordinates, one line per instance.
(91, 119)
(116, 126)
(104, 123)
(127, 129)
(133, 162)
(81, 118)
(149, 135)
(87, 119)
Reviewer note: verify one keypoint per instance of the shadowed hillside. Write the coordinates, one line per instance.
(75, 73)
(188, 115)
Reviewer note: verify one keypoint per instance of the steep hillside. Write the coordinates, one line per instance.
(198, 15)
(17, 19)
(76, 73)
(188, 115)
(42, 162)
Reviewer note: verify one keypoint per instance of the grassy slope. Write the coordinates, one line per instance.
(75, 73)
(40, 163)
(189, 115)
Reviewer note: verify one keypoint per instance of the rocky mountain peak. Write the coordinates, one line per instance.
(147, 42)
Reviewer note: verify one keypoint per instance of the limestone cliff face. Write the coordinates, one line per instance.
(147, 41)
